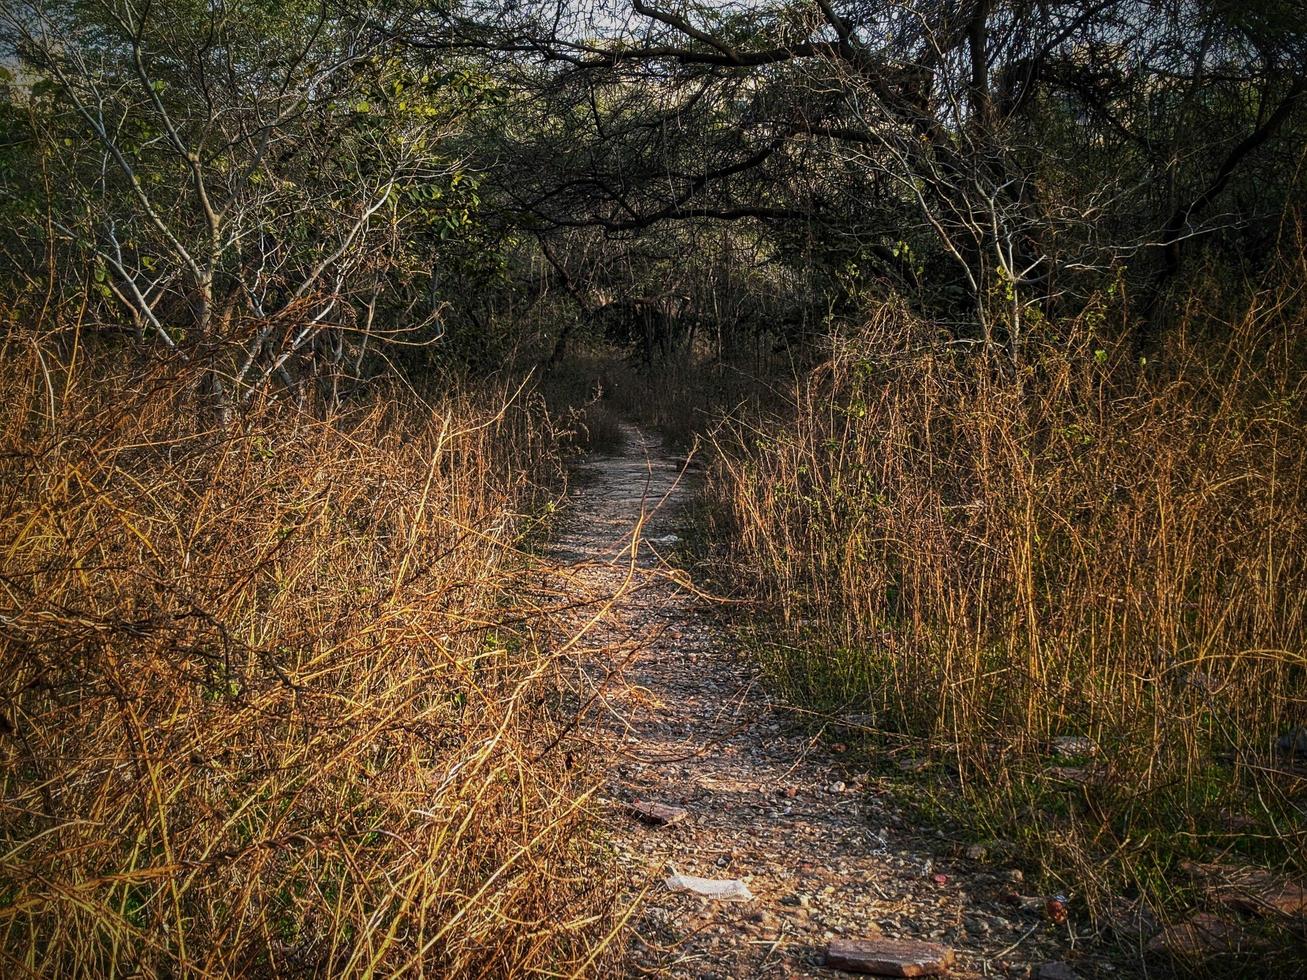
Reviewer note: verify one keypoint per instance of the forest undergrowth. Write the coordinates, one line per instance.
(265, 709)
(1065, 591)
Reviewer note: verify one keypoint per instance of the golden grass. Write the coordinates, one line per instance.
(983, 555)
(260, 713)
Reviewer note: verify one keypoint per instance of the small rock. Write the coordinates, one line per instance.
(1056, 970)
(889, 957)
(1072, 746)
(1275, 896)
(1253, 890)
(1131, 922)
(912, 763)
(976, 852)
(836, 787)
(659, 814)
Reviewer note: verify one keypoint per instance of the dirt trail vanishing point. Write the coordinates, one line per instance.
(689, 725)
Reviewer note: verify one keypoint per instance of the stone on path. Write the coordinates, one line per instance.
(718, 889)
(889, 957)
(658, 814)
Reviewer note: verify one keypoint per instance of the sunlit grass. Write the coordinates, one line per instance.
(255, 722)
(979, 555)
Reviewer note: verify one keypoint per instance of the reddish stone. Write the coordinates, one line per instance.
(659, 814)
(889, 957)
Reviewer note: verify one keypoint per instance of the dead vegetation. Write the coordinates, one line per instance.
(261, 711)
(1075, 562)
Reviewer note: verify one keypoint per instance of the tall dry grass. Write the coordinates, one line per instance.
(978, 556)
(261, 715)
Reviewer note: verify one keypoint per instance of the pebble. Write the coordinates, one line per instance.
(1056, 970)
(1072, 746)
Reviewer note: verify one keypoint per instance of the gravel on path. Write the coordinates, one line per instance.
(684, 721)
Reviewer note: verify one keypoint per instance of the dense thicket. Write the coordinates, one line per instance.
(997, 163)
(283, 187)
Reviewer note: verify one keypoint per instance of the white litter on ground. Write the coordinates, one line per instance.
(718, 889)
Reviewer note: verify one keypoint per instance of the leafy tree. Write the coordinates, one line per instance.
(253, 181)
(1016, 156)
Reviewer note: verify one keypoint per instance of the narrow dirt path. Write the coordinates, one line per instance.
(689, 725)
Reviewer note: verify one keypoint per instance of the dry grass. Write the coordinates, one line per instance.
(984, 556)
(259, 713)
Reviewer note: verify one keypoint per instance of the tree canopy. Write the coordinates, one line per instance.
(284, 187)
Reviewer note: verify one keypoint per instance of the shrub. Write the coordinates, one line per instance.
(256, 718)
(988, 553)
